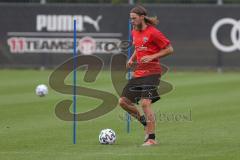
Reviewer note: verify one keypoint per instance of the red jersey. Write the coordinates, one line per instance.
(147, 42)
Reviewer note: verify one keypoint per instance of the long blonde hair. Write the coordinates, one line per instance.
(140, 10)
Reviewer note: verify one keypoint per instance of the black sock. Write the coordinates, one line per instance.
(151, 136)
(143, 120)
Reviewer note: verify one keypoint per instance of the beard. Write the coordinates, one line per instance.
(138, 27)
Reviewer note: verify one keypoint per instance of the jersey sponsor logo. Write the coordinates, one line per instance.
(141, 48)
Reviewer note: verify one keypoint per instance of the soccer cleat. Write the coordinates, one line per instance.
(149, 142)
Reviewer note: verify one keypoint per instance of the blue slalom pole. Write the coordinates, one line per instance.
(74, 82)
(129, 70)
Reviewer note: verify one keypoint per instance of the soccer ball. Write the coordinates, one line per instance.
(41, 90)
(107, 136)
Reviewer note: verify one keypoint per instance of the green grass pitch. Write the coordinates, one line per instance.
(201, 122)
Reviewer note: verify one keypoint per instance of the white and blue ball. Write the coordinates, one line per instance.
(41, 90)
(107, 136)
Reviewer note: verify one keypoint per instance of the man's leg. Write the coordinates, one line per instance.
(128, 106)
(149, 114)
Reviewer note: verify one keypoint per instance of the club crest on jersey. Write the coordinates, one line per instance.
(145, 39)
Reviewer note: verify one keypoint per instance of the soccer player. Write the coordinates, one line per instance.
(150, 45)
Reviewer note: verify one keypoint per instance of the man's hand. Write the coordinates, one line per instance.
(146, 59)
(162, 53)
(129, 63)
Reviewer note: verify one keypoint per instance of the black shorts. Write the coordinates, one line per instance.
(143, 87)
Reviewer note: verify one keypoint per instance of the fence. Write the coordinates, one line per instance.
(41, 35)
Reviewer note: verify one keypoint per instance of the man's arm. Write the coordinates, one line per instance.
(131, 59)
(162, 53)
